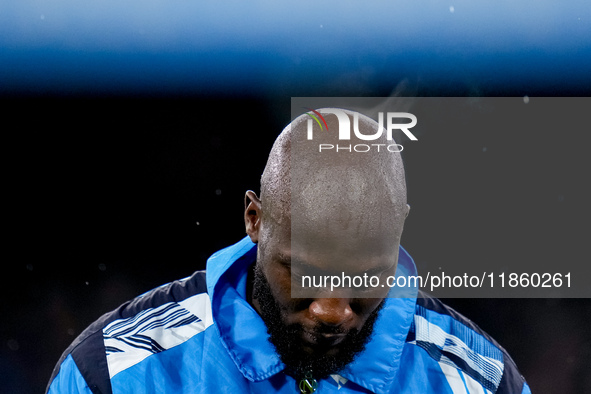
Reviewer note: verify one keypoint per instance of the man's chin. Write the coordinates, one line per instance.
(318, 355)
(309, 350)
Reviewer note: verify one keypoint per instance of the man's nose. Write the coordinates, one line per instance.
(331, 311)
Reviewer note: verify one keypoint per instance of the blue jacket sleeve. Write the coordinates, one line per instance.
(526, 389)
(69, 379)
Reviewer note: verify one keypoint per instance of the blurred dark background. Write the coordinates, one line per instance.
(132, 132)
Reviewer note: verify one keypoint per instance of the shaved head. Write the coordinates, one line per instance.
(276, 180)
(333, 191)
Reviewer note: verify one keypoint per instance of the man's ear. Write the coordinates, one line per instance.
(252, 215)
(407, 210)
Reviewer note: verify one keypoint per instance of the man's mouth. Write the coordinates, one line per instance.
(322, 340)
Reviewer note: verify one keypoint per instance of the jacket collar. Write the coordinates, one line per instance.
(244, 334)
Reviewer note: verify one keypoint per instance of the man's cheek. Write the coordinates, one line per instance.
(280, 285)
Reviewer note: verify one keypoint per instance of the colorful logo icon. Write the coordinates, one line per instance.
(315, 115)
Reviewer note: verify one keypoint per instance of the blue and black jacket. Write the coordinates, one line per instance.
(200, 335)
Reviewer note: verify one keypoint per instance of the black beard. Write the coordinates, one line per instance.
(289, 345)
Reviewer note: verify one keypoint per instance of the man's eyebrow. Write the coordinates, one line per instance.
(287, 259)
(380, 268)
(284, 258)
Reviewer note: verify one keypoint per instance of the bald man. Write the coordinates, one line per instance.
(249, 323)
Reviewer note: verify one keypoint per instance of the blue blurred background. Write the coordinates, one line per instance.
(269, 48)
(128, 154)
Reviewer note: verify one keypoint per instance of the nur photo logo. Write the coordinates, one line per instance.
(386, 123)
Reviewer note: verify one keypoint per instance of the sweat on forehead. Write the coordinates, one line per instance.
(332, 187)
